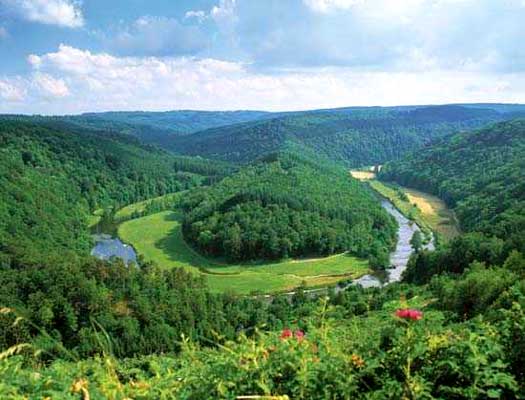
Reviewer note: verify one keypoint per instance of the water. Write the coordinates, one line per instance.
(107, 247)
(400, 256)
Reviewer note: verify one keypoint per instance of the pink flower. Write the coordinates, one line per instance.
(299, 335)
(407, 313)
(286, 334)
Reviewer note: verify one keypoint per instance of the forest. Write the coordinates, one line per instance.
(253, 214)
(352, 137)
(73, 326)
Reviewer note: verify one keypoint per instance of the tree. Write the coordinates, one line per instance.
(417, 241)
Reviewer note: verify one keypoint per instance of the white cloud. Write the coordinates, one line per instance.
(12, 90)
(325, 6)
(225, 9)
(49, 86)
(199, 15)
(72, 80)
(3, 32)
(66, 13)
(159, 36)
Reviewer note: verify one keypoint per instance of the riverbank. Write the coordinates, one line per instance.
(427, 211)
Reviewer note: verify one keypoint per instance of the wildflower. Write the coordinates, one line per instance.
(357, 361)
(407, 313)
(286, 334)
(299, 335)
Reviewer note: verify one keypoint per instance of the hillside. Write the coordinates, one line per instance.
(181, 122)
(76, 327)
(287, 206)
(480, 174)
(52, 177)
(353, 136)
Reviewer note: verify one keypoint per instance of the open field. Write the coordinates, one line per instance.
(158, 237)
(127, 212)
(428, 211)
(363, 175)
(95, 218)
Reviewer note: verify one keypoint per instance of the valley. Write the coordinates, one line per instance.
(231, 252)
(427, 211)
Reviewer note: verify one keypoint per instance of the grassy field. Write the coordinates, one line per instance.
(363, 175)
(158, 238)
(127, 212)
(95, 218)
(428, 211)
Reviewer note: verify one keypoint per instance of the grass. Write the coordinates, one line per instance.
(127, 212)
(95, 218)
(363, 175)
(428, 211)
(158, 238)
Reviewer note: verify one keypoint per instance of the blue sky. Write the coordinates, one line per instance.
(69, 56)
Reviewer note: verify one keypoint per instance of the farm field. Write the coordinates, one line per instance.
(158, 237)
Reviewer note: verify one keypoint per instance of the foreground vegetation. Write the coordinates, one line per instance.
(413, 348)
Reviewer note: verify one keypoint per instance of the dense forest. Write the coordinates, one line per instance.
(286, 206)
(352, 137)
(52, 177)
(179, 122)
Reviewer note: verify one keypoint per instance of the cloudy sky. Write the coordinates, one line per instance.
(71, 56)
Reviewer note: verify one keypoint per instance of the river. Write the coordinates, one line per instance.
(108, 246)
(400, 256)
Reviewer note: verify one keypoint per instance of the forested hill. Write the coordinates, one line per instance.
(287, 206)
(180, 122)
(481, 174)
(51, 177)
(352, 136)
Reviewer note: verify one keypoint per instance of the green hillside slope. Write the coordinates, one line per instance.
(52, 177)
(353, 137)
(481, 174)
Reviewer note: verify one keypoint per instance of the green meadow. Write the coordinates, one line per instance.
(158, 238)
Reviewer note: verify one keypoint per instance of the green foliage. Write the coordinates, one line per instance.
(480, 174)
(425, 359)
(286, 207)
(454, 257)
(353, 137)
(416, 241)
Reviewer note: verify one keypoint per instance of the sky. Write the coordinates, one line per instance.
(74, 56)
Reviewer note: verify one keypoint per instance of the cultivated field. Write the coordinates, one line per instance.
(158, 238)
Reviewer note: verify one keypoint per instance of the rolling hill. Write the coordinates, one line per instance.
(350, 136)
(480, 174)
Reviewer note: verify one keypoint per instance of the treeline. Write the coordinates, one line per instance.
(479, 174)
(70, 303)
(286, 206)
